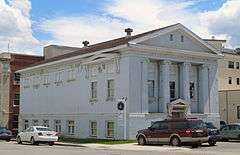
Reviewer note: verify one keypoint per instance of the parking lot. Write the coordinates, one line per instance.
(11, 148)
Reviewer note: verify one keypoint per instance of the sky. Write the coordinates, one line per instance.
(26, 26)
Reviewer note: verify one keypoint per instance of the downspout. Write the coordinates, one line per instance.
(158, 84)
(227, 105)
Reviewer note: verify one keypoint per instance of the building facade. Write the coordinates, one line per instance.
(229, 86)
(77, 93)
(9, 86)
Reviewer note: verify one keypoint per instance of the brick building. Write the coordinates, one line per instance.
(9, 86)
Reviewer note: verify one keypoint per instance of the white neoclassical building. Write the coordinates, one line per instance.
(159, 72)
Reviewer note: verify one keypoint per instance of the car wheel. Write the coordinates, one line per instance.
(32, 141)
(175, 141)
(51, 143)
(19, 140)
(141, 140)
(212, 142)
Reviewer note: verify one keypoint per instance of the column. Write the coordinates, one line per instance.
(185, 83)
(165, 84)
(204, 89)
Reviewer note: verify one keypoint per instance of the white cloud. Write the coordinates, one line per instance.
(15, 27)
(143, 15)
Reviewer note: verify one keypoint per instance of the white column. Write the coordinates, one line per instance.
(186, 83)
(204, 89)
(165, 84)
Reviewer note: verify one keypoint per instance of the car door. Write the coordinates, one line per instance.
(225, 132)
(233, 131)
(161, 132)
(29, 134)
(23, 134)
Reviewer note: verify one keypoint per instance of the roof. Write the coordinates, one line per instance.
(222, 40)
(99, 46)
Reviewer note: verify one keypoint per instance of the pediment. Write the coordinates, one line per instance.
(177, 37)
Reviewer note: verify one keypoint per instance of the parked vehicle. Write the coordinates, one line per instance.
(222, 124)
(231, 131)
(174, 132)
(5, 134)
(213, 133)
(36, 135)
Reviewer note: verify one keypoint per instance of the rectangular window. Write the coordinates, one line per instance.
(71, 127)
(172, 90)
(46, 123)
(35, 122)
(229, 80)
(192, 90)
(58, 126)
(94, 90)
(238, 82)
(182, 38)
(237, 65)
(110, 129)
(93, 129)
(151, 88)
(16, 100)
(16, 78)
(171, 37)
(59, 77)
(110, 89)
(230, 64)
(46, 79)
(26, 124)
(71, 74)
(238, 112)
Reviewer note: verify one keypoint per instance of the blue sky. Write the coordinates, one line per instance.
(29, 25)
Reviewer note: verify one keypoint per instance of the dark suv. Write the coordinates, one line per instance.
(174, 132)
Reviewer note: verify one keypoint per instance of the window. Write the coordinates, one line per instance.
(71, 127)
(46, 79)
(182, 38)
(59, 77)
(237, 65)
(110, 89)
(229, 80)
(192, 90)
(16, 100)
(46, 123)
(180, 125)
(230, 64)
(163, 126)
(171, 37)
(58, 126)
(238, 112)
(94, 90)
(238, 82)
(16, 78)
(26, 124)
(172, 90)
(110, 129)
(155, 125)
(151, 88)
(93, 129)
(35, 122)
(71, 75)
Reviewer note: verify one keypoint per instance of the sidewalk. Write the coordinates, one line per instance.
(130, 147)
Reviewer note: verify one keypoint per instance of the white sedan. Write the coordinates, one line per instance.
(37, 134)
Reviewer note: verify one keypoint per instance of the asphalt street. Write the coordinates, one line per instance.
(11, 148)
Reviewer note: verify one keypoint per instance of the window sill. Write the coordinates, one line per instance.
(71, 80)
(46, 84)
(110, 99)
(93, 100)
(58, 83)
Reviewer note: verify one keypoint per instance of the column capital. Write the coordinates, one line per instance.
(204, 66)
(166, 62)
(186, 64)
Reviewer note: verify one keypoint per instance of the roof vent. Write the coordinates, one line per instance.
(128, 31)
(85, 43)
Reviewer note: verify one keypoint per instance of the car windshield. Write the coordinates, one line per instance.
(210, 125)
(43, 129)
(196, 124)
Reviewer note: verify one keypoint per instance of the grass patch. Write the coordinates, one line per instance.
(97, 141)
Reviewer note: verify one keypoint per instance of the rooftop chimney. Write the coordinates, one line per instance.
(213, 37)
(128, 31)
(85, 43)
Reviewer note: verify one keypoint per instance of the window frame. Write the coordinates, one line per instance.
(237, 65)
(238, 112)
(151, 88)
(58, 125)
(229, 80)
(238, 81)
(231, 65)
(171, 37)
(192, 90)
(71, 127)
(110, 131)
(172, 90)
(46, 123)
(110, 89)
(93, 88)
(93, 128)
(16, 99)
(182, 38)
